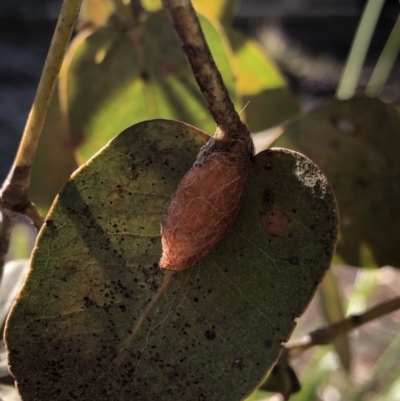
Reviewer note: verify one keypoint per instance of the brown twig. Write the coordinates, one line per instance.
(208, 77)
(283, 379)
(326, 334)
(14, 199)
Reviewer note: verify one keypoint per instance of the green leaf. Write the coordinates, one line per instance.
(95, 12)
(222, 10)
(356, 144)
(260, 84)
(151, 5)
(97, 319)
(112, 84)
(332, 309)
(54, 161)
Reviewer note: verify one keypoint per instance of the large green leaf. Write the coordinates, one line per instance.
(98, 320)
(262, 87)
(356, 143)
(112, 83)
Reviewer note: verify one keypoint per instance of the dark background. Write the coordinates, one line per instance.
(317, 27)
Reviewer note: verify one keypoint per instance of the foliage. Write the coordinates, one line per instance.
(214, 320)
(97, 318)
(355, 142)
(113, 78)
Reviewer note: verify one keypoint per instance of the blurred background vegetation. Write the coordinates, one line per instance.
(309, 40)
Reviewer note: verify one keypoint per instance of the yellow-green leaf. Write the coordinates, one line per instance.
(95, 12)
(222, 10)
(264, 92)
(114, 81)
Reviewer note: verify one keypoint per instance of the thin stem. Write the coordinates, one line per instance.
(14, 199)
(325, 335)
(15, 191)
(362, 39)
(208, 77)
(385, 62)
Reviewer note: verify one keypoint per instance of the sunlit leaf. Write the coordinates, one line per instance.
(151, 5)
(222, 10)
(356, 144)
(263, 89)
(97, 319)
(22, 239)
(95, 12)
(114, 81)
(54, 161)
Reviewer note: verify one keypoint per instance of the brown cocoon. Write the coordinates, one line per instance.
(206, 202)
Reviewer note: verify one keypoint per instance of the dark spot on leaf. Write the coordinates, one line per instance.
(268, 343)
(268, 196)
(210, 334)
(294, 260)
(237, 364)
(88, 302)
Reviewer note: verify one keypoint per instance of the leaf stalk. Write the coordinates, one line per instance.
(208, 77)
